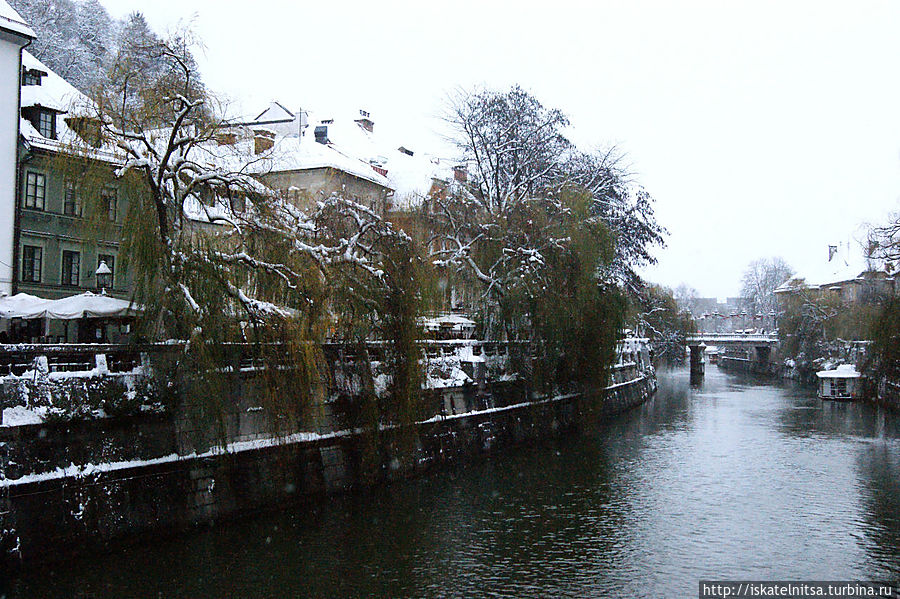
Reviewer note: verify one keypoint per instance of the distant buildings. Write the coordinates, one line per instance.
(843, 278)
(713, 316)
(311, 157)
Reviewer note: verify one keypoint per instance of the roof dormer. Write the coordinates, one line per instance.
(87, 128)
(365, 121)
(32, 76)
(43, 119)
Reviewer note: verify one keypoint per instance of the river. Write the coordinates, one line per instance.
(735, 478)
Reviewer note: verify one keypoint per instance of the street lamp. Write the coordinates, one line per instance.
(104, 276)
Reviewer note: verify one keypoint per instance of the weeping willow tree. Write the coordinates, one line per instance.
(884, 357)
(387, 310)
(241, 274)
(545, 270)
(552, 288)
(565, 304)
(519, 160)
(655, 313)
(542, 236)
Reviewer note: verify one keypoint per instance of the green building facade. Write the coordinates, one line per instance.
(58, 250)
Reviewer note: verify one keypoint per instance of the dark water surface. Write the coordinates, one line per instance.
(737, 478)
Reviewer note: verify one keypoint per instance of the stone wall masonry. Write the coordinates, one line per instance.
(119, 492)
(748, 365)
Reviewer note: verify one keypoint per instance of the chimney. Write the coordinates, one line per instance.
(460, 173)
(263, 140)
(378, 166)
(365, 121)
(321, 132)
(301, 122)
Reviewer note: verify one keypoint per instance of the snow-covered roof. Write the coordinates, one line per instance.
(451, 321)
(293, 154)
(54, 92)
(446, 378)
(58, 95)
(352, 148)
(844, 371)
(840, 263)
(11, 21)
(275, 112)
(412, 177)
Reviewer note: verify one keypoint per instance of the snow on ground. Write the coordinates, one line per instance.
(21, 415)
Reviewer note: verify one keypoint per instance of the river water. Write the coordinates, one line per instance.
(735, 478)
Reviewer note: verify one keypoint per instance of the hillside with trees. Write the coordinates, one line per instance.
(79, 39)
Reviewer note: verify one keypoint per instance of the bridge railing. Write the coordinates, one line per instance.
(732, 338)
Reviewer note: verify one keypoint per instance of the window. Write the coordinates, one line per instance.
(32, 76)
(71, 267)
(71, 202)
(111, 199)
(32, 256)
(111, 264)
(46, 124)
(840, 387)
(35, 190)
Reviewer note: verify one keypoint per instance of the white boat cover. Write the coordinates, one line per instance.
(844, 371)
(84, 305)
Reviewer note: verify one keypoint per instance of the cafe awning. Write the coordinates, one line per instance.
(14, 306)
(83, 305)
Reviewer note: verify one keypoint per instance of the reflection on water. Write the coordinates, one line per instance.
(733, 478)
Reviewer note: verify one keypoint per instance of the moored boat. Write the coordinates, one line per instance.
(840, 383)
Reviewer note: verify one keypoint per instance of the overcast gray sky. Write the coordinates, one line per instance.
(761, 128)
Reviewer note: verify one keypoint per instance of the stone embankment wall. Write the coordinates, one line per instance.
(741, 364)
(74, 486)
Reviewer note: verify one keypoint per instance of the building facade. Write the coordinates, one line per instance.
(65, 226)
(14, 35)
(307, 162)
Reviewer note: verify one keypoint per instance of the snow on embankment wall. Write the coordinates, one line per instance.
(81, 484)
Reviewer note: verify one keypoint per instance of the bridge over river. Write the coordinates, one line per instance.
(756, 352)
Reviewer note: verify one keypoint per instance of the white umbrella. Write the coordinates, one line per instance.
(16, 306)
(84, 305)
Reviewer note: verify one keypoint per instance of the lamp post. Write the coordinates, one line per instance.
(104, 277)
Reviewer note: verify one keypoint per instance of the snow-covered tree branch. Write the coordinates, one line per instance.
(205, 237)
(498, 225)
